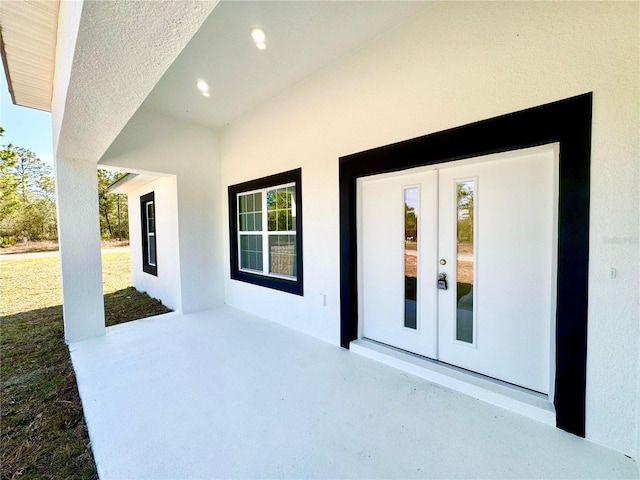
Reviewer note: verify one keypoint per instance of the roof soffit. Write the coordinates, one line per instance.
(28, 33)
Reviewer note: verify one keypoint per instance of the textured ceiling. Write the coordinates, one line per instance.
(302, 38)
(29, 32)
(128, 52)
(122, 49)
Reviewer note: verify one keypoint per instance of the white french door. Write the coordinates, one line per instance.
(457, 263)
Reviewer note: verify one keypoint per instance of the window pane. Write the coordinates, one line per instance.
(281, 209)
(257, 221)
(250, 203)
(271, 220)
(152, 250)
(251, 252)
(465, 257)
(243, 203)
(411, 257)
(249, 209)
(282, 220)
(151, 223)
(271, 200)
(282, 255)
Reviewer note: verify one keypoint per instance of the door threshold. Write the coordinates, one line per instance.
(517, 399)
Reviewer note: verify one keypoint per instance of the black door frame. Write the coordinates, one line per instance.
(567, 122)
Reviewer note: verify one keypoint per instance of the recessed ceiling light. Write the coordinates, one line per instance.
(202, 86)
(206, 94)
(259, 37)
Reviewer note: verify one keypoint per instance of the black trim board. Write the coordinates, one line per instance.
(567, 122)
(150, 269)
(295, 287)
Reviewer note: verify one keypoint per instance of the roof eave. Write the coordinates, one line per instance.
(28, 35)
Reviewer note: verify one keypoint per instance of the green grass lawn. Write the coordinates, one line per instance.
(29, 284)
(43, 434)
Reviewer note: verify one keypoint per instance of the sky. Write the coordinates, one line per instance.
(25, 127)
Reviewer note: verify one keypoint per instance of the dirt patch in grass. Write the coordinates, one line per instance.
(43, 434)
(28, 247)
(51, 246)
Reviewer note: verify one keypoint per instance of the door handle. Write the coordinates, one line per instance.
(442, 281)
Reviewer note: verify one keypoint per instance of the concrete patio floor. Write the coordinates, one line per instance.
(222, 394)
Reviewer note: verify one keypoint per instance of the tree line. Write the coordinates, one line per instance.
(28, 202)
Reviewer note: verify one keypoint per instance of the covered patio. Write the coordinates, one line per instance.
(182, 90)
(224, 394)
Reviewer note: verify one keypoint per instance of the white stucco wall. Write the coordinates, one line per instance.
(155, 143)
(165, 286)
(454, 64)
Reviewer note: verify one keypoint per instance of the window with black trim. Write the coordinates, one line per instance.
(265, 231)
(148, 214)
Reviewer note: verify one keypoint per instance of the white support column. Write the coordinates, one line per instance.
(80, 259)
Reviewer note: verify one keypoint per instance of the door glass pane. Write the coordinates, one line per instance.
(464, 258)
(411, 257)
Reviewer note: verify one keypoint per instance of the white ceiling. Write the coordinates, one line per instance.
(131, 182)
(302, 38)
(103, 75)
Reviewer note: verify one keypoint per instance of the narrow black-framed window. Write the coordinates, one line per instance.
(265, 231)
(149, 239)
